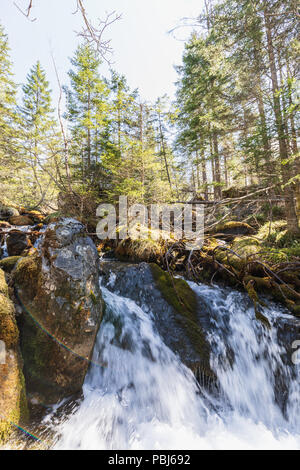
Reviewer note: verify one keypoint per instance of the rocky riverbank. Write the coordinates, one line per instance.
(51, 305)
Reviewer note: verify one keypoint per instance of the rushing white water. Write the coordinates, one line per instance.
(145, 398)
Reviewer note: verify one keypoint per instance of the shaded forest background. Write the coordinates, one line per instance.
(232, 130)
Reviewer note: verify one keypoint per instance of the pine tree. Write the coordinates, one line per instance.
(87, 111)
(8, 116)
(39, 130)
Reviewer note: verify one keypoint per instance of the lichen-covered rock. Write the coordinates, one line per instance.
(16, 242)
(13, 405)
(58, 289)
(177, 314)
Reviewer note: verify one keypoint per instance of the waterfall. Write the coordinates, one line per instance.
(138, 394)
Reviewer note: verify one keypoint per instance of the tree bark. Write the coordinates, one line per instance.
(291, 216)
(217, 165)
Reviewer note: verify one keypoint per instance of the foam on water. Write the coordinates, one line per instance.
(145, 398)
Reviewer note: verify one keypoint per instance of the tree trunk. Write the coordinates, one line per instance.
(203, 167)
(217, 165)
(163, 149)
(291, 216)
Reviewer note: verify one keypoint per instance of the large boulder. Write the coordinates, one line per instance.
(178, 317)
(13, 405)
(58, 289)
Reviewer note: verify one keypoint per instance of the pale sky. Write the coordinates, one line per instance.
(143, 50)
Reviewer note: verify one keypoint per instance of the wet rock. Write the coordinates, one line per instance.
(13, 405)
(21, 220)
(36, 228)
(58, 289)
(177, 314)
(16, 242)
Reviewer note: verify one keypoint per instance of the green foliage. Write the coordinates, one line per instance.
(41, 147)
(87, 111)
(8, 117)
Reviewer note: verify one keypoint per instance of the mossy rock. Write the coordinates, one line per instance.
(27, 274)
(275, 234)
(146, 250)
(3, 284)
(183, 299)
(58, 290)
(4, 224)
(7, 211)
(9, 332)
(13, 403)
(36, 216)
(292, 251)
(295, 310)
(21, 220)
(234, 228)
(8, 264)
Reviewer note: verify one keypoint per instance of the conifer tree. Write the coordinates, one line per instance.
(87, 110)
(39, 129)
(8, 116)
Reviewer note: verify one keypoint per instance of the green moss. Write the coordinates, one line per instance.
(183, 299)
(8, 264)
(245, 246)
(234, 227)
(275, 234)
(292, 251)
(3, 284)
(27, 273)
(296, 310)
(147, 250)
(24, 412)
(256, 301)
(8, 328)
(53, 217)
(16, 410)
(260, 317)
(94, 298)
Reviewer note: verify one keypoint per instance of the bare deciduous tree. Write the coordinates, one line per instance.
(93, 34)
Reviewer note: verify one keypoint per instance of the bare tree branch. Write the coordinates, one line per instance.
(94, 34)
(26, 12)
(63, 132)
